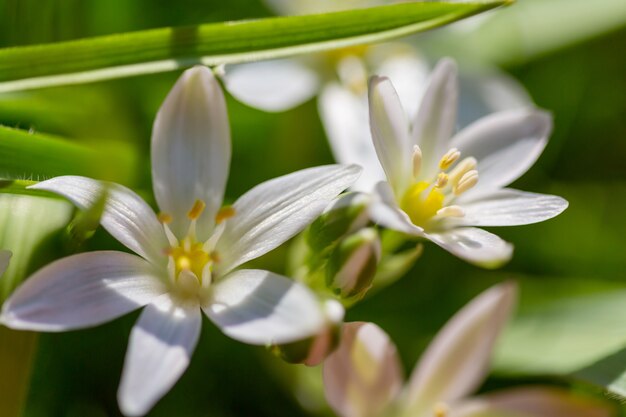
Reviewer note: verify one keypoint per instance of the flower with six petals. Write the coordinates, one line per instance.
(186, 257)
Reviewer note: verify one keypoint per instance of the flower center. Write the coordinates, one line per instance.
(426, 202)
(191, 261)
(441, 410)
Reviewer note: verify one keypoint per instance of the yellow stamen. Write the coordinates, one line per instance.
(449, 158)
(442, 180)
(462, 167)
(164, 218)
(417, 161)
(451, 211)
(196, 210)
(224, 213)
(467, 181)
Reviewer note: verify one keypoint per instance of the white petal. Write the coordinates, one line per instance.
(126, 216)
(474, 245)
(390, 132)
(273, 86)
(364, 375)
(274, 211)
(5, 257)
(458, 359)
(508, 207)
(435, 121)
(191, 150)
(161, 344)
(384, 211)
(259, 307)
(345, 118)
(505, 144)
(82, 291)
(531, 402)
(298, 7)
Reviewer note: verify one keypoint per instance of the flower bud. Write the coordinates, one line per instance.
(313, 350)
(352, 264)
(345, 215)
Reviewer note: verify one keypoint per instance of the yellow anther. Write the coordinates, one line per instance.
(449, 158)
(215, 257)
(164, 218)
(467, 181)
(462, 167)
(442, 180)
(441, 410)
(196, 210)
(224, 213)
(451, 211)
(417, 161)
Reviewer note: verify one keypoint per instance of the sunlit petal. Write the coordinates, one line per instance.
(160, 347)
(436, 118)
(274, 211)
(191, 150)
(390, 132)
(506, 145)
(263, 308)
(82, 291)
(474, 245)
(458, 359)
(126, 215)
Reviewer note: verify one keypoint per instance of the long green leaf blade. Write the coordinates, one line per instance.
(34, 156)
(168, 49)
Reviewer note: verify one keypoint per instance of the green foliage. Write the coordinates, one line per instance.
(168, 49)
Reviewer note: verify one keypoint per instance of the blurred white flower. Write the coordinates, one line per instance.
(363, 378)
(440, 184)
(339, 79)
(187, 255)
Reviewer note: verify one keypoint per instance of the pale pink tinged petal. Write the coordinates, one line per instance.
(127, 217)
(531, 402)
(364, 375)
(384, 211)
(5, 257)
(273, 86)
(191, 150)
(263, 308)
(475, 246)
(274, 211)
(160, 347)
(390, 132)
(82, 291)
(435, 120)
(458, 359)
(509, 207)
(409, 74)
(345, 118)
(506, 145)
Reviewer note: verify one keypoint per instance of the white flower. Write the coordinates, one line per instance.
(339, 79)
(364, 378)
(187, 255)
(440, 185)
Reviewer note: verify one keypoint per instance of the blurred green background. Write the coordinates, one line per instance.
(570, 57)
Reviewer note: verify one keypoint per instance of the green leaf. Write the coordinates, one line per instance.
(30, 156)
(168, 49)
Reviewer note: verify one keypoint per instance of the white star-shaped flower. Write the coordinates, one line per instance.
(186, 257)
(440, 185)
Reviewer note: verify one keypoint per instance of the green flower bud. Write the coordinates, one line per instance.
(352, 264)
(345, 215)
(313, 350)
